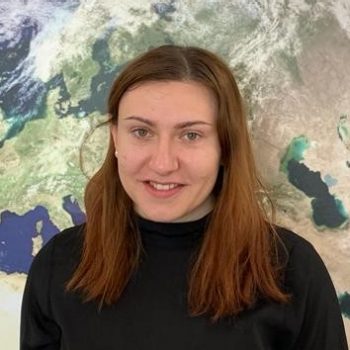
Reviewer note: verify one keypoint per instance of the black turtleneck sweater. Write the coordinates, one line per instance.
(152, 313)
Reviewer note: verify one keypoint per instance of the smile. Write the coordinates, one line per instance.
(163, 187)
(163, 191)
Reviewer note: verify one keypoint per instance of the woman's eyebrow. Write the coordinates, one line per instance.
(177, 126)
(140, 119)
(191, 123)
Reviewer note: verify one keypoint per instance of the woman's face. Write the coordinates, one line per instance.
(168, 149)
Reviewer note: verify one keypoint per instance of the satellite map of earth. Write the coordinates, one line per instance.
(58, 59)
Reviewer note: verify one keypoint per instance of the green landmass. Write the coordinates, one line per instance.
(77, 76)
(125, 45)
(48, 153)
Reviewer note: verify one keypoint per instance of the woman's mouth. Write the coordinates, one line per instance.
(163, 187)
(163, 190)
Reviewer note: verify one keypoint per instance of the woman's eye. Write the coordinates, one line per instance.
(192, 136)
(141, 133)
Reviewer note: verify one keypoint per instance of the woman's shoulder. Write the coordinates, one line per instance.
(63, 246)
(314, 307)
(303, 263)
(69, 238)
(294, 244)
(290, 238)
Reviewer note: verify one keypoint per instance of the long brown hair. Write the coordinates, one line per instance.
(237, 260)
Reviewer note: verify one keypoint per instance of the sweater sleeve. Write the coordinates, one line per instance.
(320, 322)
(38, 329)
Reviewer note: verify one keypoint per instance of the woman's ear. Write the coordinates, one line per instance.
(114, 131)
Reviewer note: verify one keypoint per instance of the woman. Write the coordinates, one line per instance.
(177, 251)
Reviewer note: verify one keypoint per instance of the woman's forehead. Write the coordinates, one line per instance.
(174, 99)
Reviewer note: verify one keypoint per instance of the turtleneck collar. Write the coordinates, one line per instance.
(171, 234)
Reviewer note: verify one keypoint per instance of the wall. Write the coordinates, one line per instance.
(58, 58)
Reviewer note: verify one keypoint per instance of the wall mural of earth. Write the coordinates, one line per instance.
(58, 59)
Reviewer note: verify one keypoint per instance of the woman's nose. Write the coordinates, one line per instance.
(164, 158)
